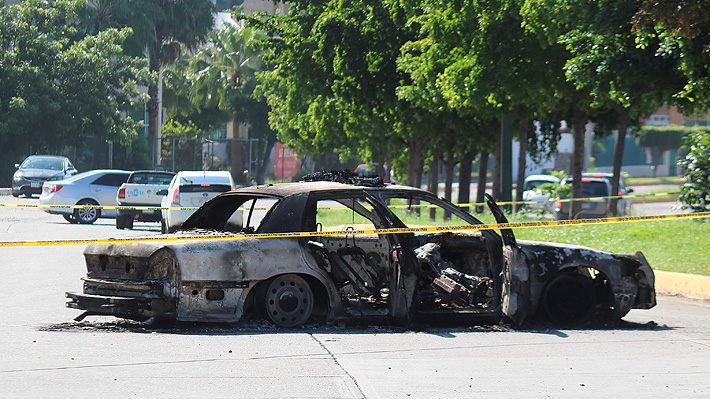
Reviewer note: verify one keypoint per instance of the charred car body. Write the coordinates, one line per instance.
(467, 276)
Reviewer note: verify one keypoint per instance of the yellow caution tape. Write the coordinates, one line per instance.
(170, 238)
(158, 208)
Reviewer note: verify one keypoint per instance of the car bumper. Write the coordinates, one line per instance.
(27, 187)
(145, 215)
(128, 300)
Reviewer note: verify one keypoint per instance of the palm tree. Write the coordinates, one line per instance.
(161, 28)
(224, 74)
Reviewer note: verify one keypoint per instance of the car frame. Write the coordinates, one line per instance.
(349, 277)
(28, 180)
(94, 188)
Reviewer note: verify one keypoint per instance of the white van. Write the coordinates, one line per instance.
(192, 189)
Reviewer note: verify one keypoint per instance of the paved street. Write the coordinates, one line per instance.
(664, 352)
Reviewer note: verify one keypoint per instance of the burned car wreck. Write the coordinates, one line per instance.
(466, 276)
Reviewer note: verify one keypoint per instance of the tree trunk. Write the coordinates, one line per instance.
(152, 106)
(433, 182)
(263, 157)
(482, 180)
(414, 163)
(618, 157)
(498, 163)
(449, 164)
(579, 120)
(522, 158)
(465, 179)
(236, 152)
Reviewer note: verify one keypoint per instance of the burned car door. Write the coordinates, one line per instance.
(457, 274)
(515, 300)
(361, 266)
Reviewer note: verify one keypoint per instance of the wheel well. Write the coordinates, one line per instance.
(600, 281)
(320, 296)
(93, 201)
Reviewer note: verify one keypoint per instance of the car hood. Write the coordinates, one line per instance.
(41, 173)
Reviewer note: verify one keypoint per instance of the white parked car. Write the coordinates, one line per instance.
(95, 187)
(532, 192)
(190, 189)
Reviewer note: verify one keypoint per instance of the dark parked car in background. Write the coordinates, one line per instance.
(416, 276)
(35, 170)
(596, 188)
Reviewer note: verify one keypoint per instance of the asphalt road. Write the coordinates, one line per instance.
(662, 352)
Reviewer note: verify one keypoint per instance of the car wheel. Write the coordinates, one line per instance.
(128, 223)
(163, 227)
(70, 218)
(569, 299)
(286, 300)
(14, 194)
(28, 195)
(87, 215)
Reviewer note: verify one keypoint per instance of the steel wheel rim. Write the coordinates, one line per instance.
(289, 301)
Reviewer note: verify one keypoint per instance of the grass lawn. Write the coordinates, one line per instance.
(671, 245)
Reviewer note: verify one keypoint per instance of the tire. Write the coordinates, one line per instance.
(86, 215)
(70, 218)
(286, 300)
(569, 299)
(28, 195)
(163, 227)
(128, 223)
(120, 222)
(14, 194)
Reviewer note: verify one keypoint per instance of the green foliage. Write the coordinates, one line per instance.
(695, 191)
(58, 86)
(334, 78)
(663, 137)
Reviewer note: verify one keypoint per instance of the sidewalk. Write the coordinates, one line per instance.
(685, 285)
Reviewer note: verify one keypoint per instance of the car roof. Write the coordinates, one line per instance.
(287, 189)
(542, 177)
(153, 171)
(221, 176)
(47, 156)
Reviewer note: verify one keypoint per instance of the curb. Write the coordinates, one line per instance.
(686, 285)
(5, 191)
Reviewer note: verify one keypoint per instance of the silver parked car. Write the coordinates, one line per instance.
(95, 187)
(35, 170)
(191, 189)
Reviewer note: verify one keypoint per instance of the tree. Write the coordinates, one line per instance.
(661, 139)
(475, 59)
(58, 86)
(160, 29)
(695, 191)
(334, 80)
(223, 76)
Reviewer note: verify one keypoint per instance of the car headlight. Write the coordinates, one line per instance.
(17, 176)
(161, 264)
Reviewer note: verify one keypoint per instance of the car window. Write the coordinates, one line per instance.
(417, 212)
(43, 163)
(339, 214)
(111, 179)
(151, 178)
(205, 188)
(594, 189)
